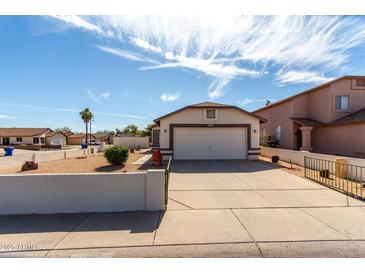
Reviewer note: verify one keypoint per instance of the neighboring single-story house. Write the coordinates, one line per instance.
(329, 118)
(208, 131)
(79, 138)
(104, 137)
(54, 138)
(23, 136)
(67, 133)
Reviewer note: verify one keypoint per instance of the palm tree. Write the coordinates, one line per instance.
(91, 119)
(86, 115)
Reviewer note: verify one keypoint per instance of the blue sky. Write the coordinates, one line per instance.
(134, 69)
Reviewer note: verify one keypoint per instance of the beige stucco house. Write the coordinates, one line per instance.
(35, 137)
(54, 138)
(329, 118)
(79, 138)
(208, 131)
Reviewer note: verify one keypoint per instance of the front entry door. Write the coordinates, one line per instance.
(156, 138)
(6, 141)
(298, 135)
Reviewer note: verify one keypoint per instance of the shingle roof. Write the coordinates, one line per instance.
(212, 105)
(309, 122)
(209, 104)
(23, 132)
(356, 117)
(67, 133)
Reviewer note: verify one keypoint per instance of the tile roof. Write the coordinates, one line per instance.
(23, 132)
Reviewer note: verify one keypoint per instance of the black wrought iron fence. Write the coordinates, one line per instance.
(347, 178)
(167, 177)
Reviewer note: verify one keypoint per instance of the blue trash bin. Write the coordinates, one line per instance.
(8, 151)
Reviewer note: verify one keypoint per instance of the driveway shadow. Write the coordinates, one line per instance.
(134, 222)
(220, 166)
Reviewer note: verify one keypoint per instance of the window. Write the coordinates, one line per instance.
(210, 114)
(19, 139)
(278, 134)
(342, 102)
(360, 82)
(42, 140)
(36, 140)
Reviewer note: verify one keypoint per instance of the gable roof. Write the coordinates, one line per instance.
(23, 132)
(79, 135)
(67, 133)
(209, 105)
(53, 133)
(356, 117)
(307, 91)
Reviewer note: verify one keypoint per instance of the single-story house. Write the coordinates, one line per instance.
(208, 131)
(79, 138)
(329, 118)
(104, 137)
(23, 136)
(54, 138)
(67, 133)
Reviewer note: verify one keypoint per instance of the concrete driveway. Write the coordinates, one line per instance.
(216, 209)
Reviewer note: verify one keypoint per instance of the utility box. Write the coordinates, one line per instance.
(341, 168)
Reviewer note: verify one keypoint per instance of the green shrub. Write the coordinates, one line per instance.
(264, 141)
(116, 154)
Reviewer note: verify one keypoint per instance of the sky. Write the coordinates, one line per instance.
(133, 69)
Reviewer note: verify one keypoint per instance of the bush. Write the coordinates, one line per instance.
(116, 154)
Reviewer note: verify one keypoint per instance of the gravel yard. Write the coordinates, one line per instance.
(89, 164)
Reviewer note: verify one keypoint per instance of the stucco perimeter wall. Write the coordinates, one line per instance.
(40, 157)
(132, 142)
(75, 193)
(196, 116)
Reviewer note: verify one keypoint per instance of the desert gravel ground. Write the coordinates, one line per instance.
(89, 164)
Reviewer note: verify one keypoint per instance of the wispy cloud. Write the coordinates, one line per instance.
(131, 56)
(7, 117)
(251, 100)
(169, 97)
(98, 97)
(122, 115)
(301, 77)
(296, 49)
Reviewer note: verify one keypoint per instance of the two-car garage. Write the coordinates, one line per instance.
(209, 131)
(204, 143)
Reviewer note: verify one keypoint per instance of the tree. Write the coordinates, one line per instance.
(62, 129)
(131, 129)
(147, 130)
(86, 115)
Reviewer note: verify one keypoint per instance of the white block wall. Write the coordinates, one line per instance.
(74, 193)
(132, 142)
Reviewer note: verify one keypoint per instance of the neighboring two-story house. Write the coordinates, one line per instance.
(329, 118)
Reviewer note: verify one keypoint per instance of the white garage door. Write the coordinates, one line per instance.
(210, 143)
